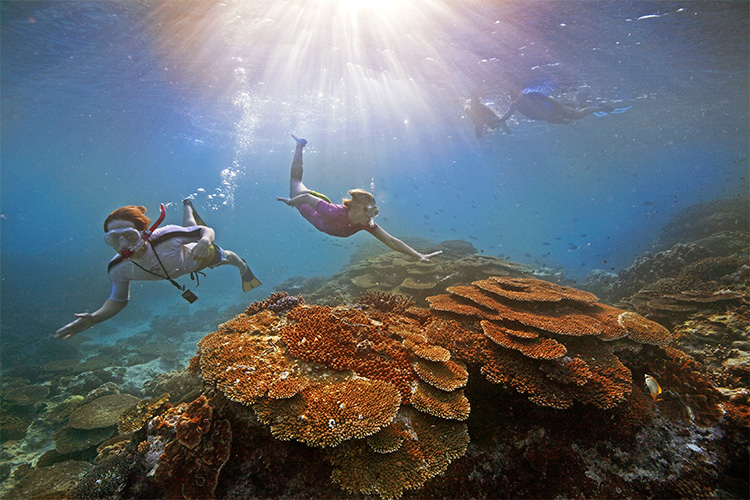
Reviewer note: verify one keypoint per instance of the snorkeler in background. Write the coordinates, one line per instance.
(482, 115)
(155, 254)
(356, 214)
(535, 103)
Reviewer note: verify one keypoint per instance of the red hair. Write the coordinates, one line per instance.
(130, 213)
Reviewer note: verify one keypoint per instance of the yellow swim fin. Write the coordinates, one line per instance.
(249, 281)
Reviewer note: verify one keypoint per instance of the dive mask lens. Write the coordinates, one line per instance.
(129, 237)
(372, 211)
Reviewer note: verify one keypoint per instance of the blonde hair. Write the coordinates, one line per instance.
(359, 196)
(130, 213)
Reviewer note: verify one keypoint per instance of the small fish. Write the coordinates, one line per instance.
(653, 387)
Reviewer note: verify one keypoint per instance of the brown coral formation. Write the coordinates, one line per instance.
(416, 448)
(192, 461)
(329, 377)
(386, 302)
(328, 414)
(688, 391)
(544, 340)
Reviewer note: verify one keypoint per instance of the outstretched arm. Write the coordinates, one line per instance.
(399, 246)
(84, 321)
(300, 199)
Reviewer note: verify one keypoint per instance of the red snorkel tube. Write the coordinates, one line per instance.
(128, 252)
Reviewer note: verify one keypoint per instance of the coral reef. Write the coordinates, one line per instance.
(395, 273)
(710, 217)
(542, 339)
(277, 302)
(191, 462)
(329, 376)
(101, 412)
(386, 302)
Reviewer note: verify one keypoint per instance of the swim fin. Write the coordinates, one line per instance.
(197, 217)
(615, 111)
(249, 281)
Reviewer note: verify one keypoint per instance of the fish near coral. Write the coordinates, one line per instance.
(653, 387)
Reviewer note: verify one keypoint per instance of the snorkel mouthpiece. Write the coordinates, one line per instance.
(126, 253)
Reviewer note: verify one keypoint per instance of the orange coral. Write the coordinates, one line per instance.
(528, 289)
(431, 352)
(447, 375)
(332, 376)
(687, 388)
(327, 414)
(427, 448)
(545, 339)
(388, 439)
(561, 319)
(449, 405)
(346, 339)
(537, 348)
(243, 358)
(643, 330)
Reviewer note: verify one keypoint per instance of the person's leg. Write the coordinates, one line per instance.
(296, 187)
(249, 281)
(188, 214)
(234, 260)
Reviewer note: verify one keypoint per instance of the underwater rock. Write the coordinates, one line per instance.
(14, 423)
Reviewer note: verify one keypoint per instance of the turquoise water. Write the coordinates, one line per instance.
(106, 104)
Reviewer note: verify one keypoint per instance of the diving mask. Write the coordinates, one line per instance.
(126, 241)
(372, 211)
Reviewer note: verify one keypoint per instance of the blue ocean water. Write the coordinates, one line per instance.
(106, 104)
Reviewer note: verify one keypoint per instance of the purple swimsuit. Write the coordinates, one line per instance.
(333, 219)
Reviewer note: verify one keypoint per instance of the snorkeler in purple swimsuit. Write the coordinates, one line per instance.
(354, 215)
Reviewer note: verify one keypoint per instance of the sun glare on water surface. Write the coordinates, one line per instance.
(366, 68)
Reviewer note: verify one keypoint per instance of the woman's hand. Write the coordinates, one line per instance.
(426, 257)
(83, 321)
(201, 250)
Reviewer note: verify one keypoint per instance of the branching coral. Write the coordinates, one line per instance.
(276, 302)
(386, 302)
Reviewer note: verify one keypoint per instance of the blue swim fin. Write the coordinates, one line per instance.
(615, 111)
